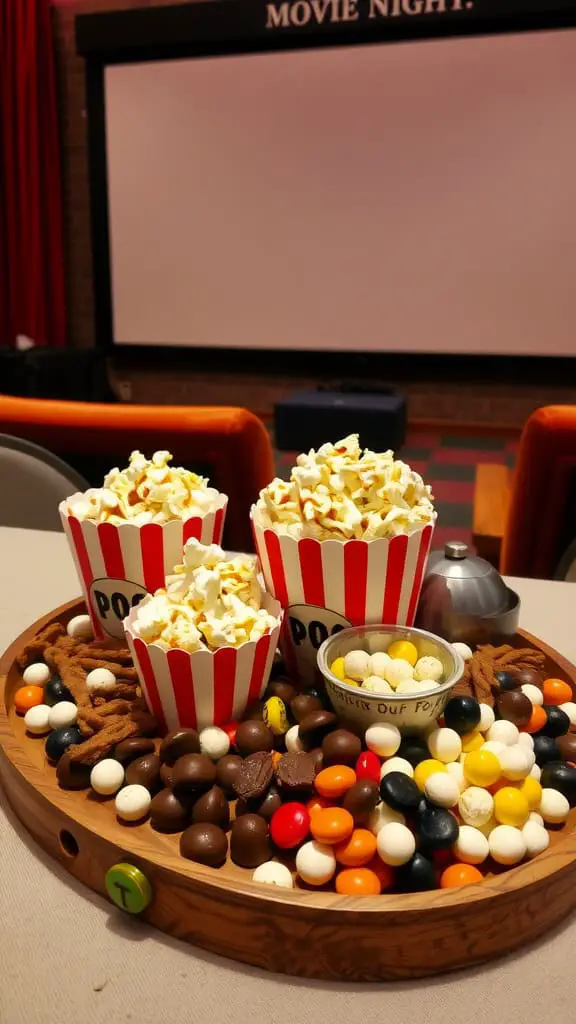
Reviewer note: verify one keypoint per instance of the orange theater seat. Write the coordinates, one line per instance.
(229, 445)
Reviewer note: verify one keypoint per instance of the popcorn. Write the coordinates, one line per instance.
(341, 492)
(209, 602)
(147, 491)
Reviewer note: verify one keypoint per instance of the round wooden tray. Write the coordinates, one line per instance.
(312, 934)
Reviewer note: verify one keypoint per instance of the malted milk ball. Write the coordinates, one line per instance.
(554, 806)
(397, 670)
(397, 764)
(214, 742)
(272, 872)
(357, 665)
(463, 650)
(534, 693)
(536, 837)
(378, 662)
(414, 686)
(534, 816)
(476, 806)
(472, 846)
(487, 718)
(428, 667)
(445, 744)
(526, 740)
(100, 680)
(504, 732)
(442, 789)
(62, 714)
(516, 762)
(456, 770)
(37, 719)
(383, 815)
(507, 844)
(315, 863)
(292, 740)
(395, 844)
(495, 747)
(383, 740)
(36, 674)
(133, 802)
(107, 776)
(569, 708)
(375, 684)
(80, 627)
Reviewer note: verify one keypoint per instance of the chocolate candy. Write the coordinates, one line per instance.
(249, 843)
(59, 741)
(530, 677)
(567, 747)
(317, 755)
(506, 681)
(264, 807)
(561, 776)
(514, 706)
(296, 773)
(304, 704)
(212, 807)
(168, 813)
(193, 774)
(144, 771)
(71, 775)
(557, 722)
(400, 792)
(227, 771)
(55, 691)
(128, 750)
(253, 712)
(546, 749)
(413, 749)
(341, 747)
(177, 743)
(255, 776)
(461, 714)
(417, 875)
(204, 843)
(315, 726)
(167, 774)
(436, 828)
(281, 688)
(361, 799)
(252, 737)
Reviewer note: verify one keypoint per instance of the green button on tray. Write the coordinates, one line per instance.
(128, 888)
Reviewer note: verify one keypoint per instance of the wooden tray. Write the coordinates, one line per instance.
(312, 934)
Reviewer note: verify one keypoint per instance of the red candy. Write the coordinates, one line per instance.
(368, 766)
(231, 728)
(290, 825)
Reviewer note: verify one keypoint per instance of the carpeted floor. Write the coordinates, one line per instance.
(448, 463)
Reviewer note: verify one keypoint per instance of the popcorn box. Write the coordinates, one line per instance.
(205, 687)
(329, 585)
(118, 566)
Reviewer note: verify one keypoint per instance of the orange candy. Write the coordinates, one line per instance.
(28, 697)
(357, 882)
(460, 874)
(318, 803)
(383, 872)
(358, 849)
(537, 721)
(335, 781)
(556, 691)
(331, 825)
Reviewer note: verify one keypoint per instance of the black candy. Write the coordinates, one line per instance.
(413, 750)
(557, 722)
(55, 691)
(545, 749)
(462, 714)
(400, 792)
(561, 776)
(506, 681)
(436, 828)
(59, 741)
(417, 875)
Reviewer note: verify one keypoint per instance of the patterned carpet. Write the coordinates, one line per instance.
(448, 463)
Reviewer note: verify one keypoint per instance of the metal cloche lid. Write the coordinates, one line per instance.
(475, 586)
(455, 562)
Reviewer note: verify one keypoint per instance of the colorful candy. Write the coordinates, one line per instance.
(481, 767)
(28, 697)
(404, 649)
(315, 863)
(290, 825)
(556, 691)
(368, 766)
(357, 882)
(511, 807)
(425, 769)
(335, 781)
(357, 850)
(460, 874)
(331, 825)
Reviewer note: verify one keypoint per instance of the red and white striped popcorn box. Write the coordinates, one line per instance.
(119, 565)
(205, 687)
(328, 585)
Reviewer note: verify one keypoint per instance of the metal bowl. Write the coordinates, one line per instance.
(412, 713)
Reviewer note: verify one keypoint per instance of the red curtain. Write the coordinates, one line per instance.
(31, 246)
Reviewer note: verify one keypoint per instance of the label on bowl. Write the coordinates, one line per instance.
(112, 600)
(431, 706)
(307, 627)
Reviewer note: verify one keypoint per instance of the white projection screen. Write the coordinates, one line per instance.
(409, 197)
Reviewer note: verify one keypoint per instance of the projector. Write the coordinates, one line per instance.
(307, 419)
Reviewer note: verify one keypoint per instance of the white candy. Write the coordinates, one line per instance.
(80, 627)
(516, 762)
(505, 732)
(272, 872)
(214, 742)
(536, 772)
(445, 744)
(554, 806)
(100, 680)
(378, 662)
(463, 650)
(534, 693)
(132, 802)
(62, 714)
(397, 764)
(315, 863)
(383, 815)
(456, 770)
(395, 844)
(535, 817)
(37, 719)
(472, 846)
(536, 837)
(375, 684)
(357, 665)
(526, 740)
(383, 740)
(292, 740)
(476, 806)
(428, 667)
(397, 670)
(36, 674)
(487, 718)
(442, 789)
(416, 686)
(495, 747)
(569, 708)
(107, 776)
(507, 844)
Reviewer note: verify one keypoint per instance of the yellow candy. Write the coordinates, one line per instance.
(482, 768)
(403, 649)
(350, 682)
(532, 790)
(425, 769)
(472, 741)
(337, 669)
(511, 806)
(274, 714)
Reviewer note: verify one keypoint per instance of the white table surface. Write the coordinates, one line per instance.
(67, 957)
